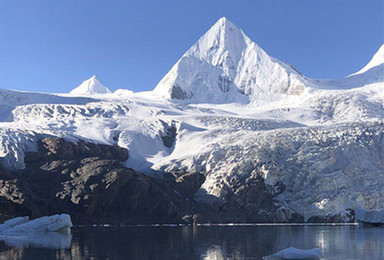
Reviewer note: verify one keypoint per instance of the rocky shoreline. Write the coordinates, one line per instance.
(89, 182)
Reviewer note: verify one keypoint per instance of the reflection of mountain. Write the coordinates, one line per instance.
(253, 242)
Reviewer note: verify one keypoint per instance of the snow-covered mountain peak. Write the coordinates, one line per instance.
(376, 60)
(222, 45)
(225, 66)
(89, 87)
(225, 23)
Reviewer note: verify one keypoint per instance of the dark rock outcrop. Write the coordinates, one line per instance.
(16, 199)
(249, 201)
(178, 93)
(188, 184)
(88, 182)
(61, 149)
(348, 216)
(168, 134)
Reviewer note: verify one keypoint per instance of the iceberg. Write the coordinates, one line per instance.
(295, 253)
(9, 224)
(56, 223)
(47, 232)
(370, 217)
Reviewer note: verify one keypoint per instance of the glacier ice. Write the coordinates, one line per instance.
(371, 217)
(55, 223)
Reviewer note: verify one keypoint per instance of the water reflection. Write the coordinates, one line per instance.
(53, 240)
(337, 242)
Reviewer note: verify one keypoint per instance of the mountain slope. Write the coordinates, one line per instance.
(371, 73)
(226, 66)
(376, 60)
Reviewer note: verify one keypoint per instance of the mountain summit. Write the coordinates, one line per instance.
(224, 66)
(90, 87)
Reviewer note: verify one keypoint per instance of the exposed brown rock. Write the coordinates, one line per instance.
(188, 184)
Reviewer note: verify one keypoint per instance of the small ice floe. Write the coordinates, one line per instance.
(370, 217)
(48, 232)
(295, 253)
(56, 223)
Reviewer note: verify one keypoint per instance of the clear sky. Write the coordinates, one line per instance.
(52, 45)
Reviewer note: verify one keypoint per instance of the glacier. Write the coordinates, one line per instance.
(230, 111)
(370, 217)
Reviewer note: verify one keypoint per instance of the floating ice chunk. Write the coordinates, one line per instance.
(372, 217)
(295, 253)
(13, 222)
(55, 223)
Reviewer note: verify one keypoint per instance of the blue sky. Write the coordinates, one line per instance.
(52, 46)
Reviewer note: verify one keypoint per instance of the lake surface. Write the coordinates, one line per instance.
(200, 242)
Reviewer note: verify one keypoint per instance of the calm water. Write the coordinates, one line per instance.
(203, 242)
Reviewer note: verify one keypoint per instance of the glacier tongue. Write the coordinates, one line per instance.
(90, 87)
(225, 66)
